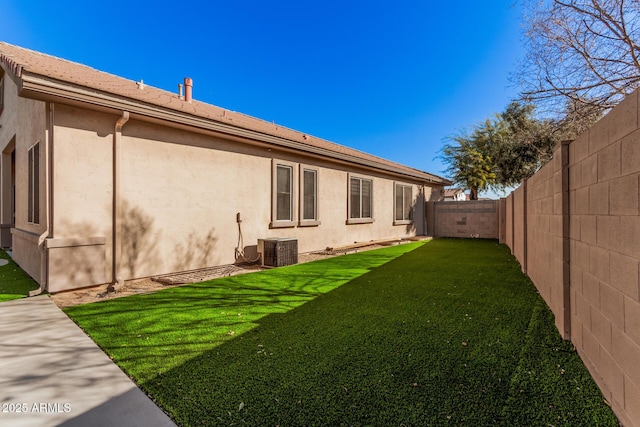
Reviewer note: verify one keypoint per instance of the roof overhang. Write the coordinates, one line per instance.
(47, 89)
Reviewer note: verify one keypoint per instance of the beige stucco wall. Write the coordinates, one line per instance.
(187, 189)
(181, 191)
(74, 262)
(23, 123)
(82, 199)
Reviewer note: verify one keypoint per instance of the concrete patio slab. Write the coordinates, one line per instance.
(52, 374)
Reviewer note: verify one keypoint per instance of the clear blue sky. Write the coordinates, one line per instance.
(389, 78)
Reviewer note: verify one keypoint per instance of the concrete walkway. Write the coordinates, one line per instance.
(52, 374)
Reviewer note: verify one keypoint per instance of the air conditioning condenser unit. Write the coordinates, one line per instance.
(278, 252)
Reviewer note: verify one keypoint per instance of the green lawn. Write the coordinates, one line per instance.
(443, 333)
(14, 282)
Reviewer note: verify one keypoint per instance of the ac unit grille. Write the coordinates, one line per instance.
(278, 252)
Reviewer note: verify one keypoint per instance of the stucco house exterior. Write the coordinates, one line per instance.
(104, 179)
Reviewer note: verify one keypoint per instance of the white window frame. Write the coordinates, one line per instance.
(402, 187)
(361, 219)
(291, 221)
(33, 195)
(308, 222)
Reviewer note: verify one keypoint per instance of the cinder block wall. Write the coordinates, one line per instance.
(502, 218)
(477, 218)
(546, 257)
(520, 226)
(580, 244)
(508, 221)
(605, 250)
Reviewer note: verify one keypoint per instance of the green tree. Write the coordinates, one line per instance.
(524, 145)
(501, 151)
(469, 162)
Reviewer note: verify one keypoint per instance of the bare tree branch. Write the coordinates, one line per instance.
(583, 51)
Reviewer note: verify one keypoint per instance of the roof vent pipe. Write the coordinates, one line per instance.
(188, 89)
(180, 93)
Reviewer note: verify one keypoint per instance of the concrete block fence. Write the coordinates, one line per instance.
(575, 229)
(471, 219)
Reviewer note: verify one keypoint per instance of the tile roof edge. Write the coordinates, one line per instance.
(20, 69)
(13, 66)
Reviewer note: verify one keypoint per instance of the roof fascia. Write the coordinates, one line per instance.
(41, 87)
(8, 71)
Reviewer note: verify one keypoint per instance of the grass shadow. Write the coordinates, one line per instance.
(433, 338)
(145, 330)
(14, 282)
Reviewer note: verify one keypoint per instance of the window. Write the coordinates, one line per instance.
(403, 200)
(33, 204)
(360, 200)
(283, 197)
(308, 196)
(284, 186)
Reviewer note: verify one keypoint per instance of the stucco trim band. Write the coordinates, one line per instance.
(75, 241)
(26, 235)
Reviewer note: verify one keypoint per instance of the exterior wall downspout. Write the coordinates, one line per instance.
(116, 214)
(48, 186)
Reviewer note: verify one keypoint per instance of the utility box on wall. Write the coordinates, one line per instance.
(278, 252)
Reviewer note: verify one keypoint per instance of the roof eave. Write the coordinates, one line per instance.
(41, 87)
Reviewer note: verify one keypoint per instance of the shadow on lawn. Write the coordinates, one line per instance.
(419, 342)
(379, 350)
(145, 329)
(14, 282)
